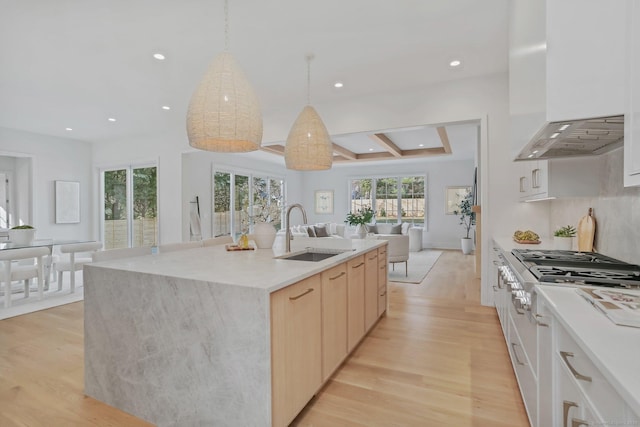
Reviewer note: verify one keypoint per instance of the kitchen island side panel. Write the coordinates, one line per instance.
(176, 351)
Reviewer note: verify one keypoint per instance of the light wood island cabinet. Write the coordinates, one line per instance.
(296, 347)
(334, 319)
(382, 280)
(355, 316)
(370, 289)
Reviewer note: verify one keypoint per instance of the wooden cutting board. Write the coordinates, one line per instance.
(586, 232)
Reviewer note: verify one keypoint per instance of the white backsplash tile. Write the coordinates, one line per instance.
(616, 210)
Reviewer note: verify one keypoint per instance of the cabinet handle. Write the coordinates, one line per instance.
(338, 276)
(383, 294)
(535, 178)
(373, 257)
(522, 184)
(575, 422)
(515, 354)
(495, 288)
(565, 356)
(308, 291)
(566, 407)
(359, 265)
(539, 323)
(382, 267)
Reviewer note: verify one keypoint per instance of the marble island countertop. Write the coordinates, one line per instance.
(259, 268)
(184, 338)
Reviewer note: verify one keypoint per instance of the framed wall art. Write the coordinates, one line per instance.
(67, 202)
(453, 196)
(324, 202)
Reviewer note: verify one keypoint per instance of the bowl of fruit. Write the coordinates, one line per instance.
(527, 237)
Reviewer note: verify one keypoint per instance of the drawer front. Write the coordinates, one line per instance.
(524, 374)
(382, 300)
(527, 331)
(606, 401)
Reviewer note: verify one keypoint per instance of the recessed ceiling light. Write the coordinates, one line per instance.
(554, 135)
(158, 56)
(455, 63)
(370, 149)
(530, 156)
(563, 127)
(69, 129)
(338, 85)
(111, 119)
(420, 145)
(166, 107)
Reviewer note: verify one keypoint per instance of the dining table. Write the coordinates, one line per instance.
(50, 243)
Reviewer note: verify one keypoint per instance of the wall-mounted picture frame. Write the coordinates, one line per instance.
(324, 201)
(67, 202)
(453, 196)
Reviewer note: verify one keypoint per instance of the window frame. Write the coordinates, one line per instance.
(399, 177)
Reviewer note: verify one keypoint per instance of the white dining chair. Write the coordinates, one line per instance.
(74, 263)
(119, 253)
(23, 272)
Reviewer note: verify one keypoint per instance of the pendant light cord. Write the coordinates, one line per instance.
(226, 25)
(309, 58)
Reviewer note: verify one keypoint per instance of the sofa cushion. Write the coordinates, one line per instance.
(311, 231)
(372, 228)
(320, 231)
(396, 229)
(405, 227)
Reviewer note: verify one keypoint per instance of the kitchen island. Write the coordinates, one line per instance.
(187, 337)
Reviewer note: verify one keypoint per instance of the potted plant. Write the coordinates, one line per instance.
(467, 219)
(563, 237)
(22, 235)
(359, 219)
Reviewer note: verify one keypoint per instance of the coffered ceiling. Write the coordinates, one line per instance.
(76, 63)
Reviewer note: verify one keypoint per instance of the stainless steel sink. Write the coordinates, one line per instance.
(313, 255)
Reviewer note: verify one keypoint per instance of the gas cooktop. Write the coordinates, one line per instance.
(579, 268)
(555, 257)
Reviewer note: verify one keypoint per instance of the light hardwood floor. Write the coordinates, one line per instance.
(437, 359)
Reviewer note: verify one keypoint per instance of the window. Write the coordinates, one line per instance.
(394, 199)
(254, 198)
(129, 210)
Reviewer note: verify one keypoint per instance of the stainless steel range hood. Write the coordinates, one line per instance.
(575, 138)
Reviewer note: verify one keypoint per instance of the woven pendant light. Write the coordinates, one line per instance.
(224, 113)
(308, 145)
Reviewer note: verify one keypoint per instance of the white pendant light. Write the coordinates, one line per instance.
(224, 113)
(308, 144)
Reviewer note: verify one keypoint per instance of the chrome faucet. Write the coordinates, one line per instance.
(287, 235)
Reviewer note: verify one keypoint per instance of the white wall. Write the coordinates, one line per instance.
(52, 159)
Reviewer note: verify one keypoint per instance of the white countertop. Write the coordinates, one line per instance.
(614, 349)
(507, 243)
(253, 268)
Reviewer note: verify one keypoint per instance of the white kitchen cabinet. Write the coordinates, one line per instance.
(566, 61)
(575, 391)
(544, 179)
(632, 107)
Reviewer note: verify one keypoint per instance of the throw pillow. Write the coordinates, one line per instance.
(372, 228)
(405, 227)
(321, 231)
(310, 231)
(396, 229)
